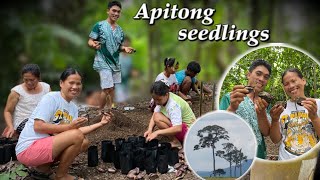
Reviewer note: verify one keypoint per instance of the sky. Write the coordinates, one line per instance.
(239, 132)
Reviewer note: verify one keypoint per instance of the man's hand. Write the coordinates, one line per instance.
(237, 96)
(106, 118)
(260, 105)
(77, 123)
(94, 44)
(275, 112)
(311, 105)
(128, 50)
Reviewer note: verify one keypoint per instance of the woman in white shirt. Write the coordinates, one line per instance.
(54, 132)
(23, 99)
(296, 126)
(168, 76)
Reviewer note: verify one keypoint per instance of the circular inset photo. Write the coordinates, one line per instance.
(220, 145)
(275, 89)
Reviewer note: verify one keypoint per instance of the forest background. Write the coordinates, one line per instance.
(54, 34)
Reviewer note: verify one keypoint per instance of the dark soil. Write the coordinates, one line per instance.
(126, 123)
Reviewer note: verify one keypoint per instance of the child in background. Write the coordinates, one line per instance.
(187, 80)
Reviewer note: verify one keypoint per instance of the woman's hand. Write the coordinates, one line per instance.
(275, 112)
(106, 118)
(311, 105)
(8, 132)
(152, 136)
(79, 122)
(147, 133)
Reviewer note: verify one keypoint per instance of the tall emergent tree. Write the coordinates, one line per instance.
(209, 136)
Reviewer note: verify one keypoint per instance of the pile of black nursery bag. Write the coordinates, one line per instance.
(135, 152)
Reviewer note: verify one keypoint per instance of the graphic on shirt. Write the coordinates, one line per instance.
(62, 117)
(298, 131)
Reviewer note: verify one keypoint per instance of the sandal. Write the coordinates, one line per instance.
(153, 176)
(40, 175)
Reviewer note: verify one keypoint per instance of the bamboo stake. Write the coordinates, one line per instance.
(213, 95)
(201, 93)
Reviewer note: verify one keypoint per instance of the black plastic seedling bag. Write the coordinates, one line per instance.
(93, 156)
(173, 157)
(127, 146)
(139, 155)
(133, 139)
(1, 154)
(164, 147)
(163, 163)
(13, 143)
(116, 159)
(153, 143)
(107, 151)
(151, 160)
(141, 142)
(118, 143)
(126, 161)
(7, 152)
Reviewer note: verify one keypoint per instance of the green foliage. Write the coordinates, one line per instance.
(280, 58)
(13, 173)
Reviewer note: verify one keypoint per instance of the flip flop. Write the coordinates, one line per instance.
(112, 170)
(40, 175)
(153, 176)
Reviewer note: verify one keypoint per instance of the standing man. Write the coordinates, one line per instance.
(106, 38)
(249, 106)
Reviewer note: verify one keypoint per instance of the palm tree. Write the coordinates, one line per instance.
(210, 135)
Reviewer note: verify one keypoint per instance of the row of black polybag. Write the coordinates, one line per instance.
(135, 152)
(7, 149)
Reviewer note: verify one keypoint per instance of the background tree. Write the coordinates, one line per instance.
(220, 172)
(237, 158)
(242, 158)
(227, 154)
(209, 136)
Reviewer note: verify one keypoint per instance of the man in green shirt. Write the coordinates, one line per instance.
(254, 110)
(106, 37)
